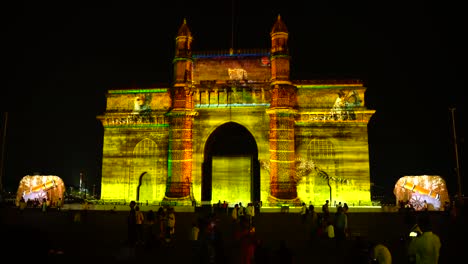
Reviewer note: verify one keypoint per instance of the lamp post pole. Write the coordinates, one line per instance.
(2, 162)
(452, 110)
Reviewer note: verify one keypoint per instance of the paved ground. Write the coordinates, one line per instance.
(100, 237)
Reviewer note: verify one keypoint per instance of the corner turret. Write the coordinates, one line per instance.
(279, 53)
(182, 62)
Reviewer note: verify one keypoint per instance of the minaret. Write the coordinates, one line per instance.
(183, 62)
(282, 112)
(181, 120)
(279, 53)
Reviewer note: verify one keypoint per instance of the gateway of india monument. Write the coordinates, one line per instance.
(234, 127)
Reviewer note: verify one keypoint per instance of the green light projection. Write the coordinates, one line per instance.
(136, 91)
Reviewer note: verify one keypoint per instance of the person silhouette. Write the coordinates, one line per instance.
(132, 225)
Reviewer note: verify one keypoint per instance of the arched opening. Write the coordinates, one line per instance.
(231, 170)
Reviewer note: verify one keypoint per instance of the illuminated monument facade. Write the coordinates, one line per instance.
(233, 127)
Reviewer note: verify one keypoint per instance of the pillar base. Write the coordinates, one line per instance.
(174, 201)
(274, 201)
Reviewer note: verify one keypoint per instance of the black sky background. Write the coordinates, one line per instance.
(62, 57)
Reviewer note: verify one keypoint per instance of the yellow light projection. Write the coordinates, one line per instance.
(231, 180)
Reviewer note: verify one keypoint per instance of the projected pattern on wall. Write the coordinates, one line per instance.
(231, 179)
(163, 143)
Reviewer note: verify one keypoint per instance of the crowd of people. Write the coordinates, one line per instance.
(150, 228)
(157, 228)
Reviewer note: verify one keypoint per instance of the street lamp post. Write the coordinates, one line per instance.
(452, 110)
(2, 161)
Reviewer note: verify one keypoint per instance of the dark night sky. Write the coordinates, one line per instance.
(62, 58)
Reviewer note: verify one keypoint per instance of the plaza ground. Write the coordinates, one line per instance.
(100, 236)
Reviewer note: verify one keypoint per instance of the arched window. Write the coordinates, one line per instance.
(145, 174)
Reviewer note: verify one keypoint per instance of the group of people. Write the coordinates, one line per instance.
(43, 203)
(423, 248)
(151, 227)
(323, 225)
(241, 214)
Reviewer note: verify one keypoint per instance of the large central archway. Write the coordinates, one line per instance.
(230, 170)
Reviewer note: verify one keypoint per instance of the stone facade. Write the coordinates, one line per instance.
(233, 127)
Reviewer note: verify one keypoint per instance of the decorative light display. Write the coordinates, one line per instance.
(39, 187)
(417, 189)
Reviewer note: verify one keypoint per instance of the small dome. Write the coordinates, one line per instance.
(279, 26)
(184, 30)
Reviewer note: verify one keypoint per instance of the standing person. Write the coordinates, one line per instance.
(150, 228)
(161, 219)
(303, 213)
(131, 225)
(235, 213)
(330, 229)
(426, 247)
(44, 205)
(314, 223)
(326, 211)
(341, 224)
(252, 215)
(59, 204)
(345, 208)
(380, 254)
(240, 212)
(170, 229)
(195, 231)
(248, 242)
(249, 213)
(140, 219)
